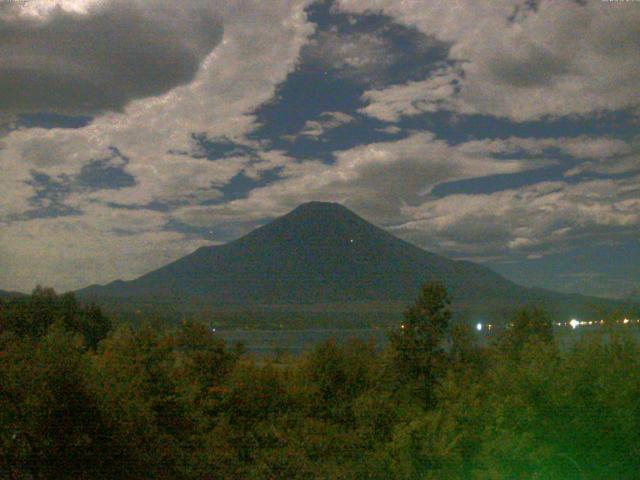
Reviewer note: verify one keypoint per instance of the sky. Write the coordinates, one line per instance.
(503, 132)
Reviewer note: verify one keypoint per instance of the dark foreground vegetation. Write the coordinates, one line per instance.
(82, 400)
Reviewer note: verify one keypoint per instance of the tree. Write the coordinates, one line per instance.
(94, 325)
(50, 424)
(417, 346)
(527, 325)
(32, 316)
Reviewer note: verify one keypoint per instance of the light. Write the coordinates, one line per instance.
(574, 323)
(402, 326)
(479, 327)
(625, 321)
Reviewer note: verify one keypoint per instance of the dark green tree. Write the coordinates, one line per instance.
(32, 316)
(527, 325)
(417, 346)
(50, 424)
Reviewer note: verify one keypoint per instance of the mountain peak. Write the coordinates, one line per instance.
(318, 208)
(318, 218)
(319, 204)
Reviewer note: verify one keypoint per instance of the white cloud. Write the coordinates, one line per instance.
(527, 221)
(260, 47)
(326, 121)
(611, 160)
(562, 60)
(376, 180)
(390, 183)
(438, 92)
(618, 166)
(581, 147)
(72, 252)
(559, 59)
(390, 129)
(360, 56)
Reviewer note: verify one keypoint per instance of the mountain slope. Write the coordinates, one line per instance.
(317, 254)
(5, 294)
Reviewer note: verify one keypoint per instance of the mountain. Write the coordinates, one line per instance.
(321, 254)
(5, 294)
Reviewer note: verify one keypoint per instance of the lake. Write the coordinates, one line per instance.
(266, 342)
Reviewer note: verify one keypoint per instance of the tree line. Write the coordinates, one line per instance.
(82, 399)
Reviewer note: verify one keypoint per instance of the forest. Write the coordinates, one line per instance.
(82, 398)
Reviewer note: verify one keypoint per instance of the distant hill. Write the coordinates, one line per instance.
(5, 294)
(322, 254)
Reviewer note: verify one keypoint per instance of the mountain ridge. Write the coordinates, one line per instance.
(8, 294)
(322, 253)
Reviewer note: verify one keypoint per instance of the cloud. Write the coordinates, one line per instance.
(438, 92)
(358, 56)
(533, 220)
(560, 58)
(72, 252)
(376, 180)
(237, 77)
(261, 45)
(521, 64)
(390, 129)
(580, 147)
(367, 51)
(103, 58)
(624, 165)
(326, 121)
(389, 183)
(8, 123)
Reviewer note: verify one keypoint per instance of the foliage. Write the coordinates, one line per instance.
(527, 325)
(31, 316)
(179, 404)
(417, 346)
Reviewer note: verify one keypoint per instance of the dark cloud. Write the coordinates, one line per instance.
(101, 60)
(539, 67)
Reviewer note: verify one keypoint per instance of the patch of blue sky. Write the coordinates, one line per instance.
(50, 192)
(53, 120)
(155, 206)
(241, 185)
(456, 128)
(322, 84)
(220, 147)
(104, 174)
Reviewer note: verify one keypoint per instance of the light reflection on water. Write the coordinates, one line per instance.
(264, 342)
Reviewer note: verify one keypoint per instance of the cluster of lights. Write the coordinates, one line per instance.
(480, 326)
(574, 323)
